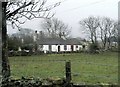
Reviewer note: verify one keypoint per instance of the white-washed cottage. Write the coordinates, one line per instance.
(59, 45)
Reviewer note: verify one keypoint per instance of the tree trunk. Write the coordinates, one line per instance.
(5, 62)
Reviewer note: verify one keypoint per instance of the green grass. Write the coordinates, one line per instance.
(86, 68)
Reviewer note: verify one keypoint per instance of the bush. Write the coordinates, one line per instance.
(14, 53)
(20, 53)
(94, 48)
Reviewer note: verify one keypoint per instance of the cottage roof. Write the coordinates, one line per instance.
(56, 41)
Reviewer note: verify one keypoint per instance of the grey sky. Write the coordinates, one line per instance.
(72, 11)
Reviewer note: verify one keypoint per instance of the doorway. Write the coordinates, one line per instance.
(71, 47)
(58, 48)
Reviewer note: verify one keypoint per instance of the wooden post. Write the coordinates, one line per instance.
(68, 72)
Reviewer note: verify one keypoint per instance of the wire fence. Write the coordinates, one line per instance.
(81, 71)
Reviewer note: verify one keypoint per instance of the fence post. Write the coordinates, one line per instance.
(68, 72)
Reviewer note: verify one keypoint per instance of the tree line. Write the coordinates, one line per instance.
(102, 30)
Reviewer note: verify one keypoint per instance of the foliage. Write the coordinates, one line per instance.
(13, 43)
(27, 47)
(23, 39)
(94, 48)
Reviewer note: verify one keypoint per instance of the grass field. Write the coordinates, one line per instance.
(86, 68)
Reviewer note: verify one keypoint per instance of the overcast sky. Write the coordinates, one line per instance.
(72, 11)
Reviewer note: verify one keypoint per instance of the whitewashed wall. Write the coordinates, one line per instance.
(79, 47)
(62, 48)
(54, 48)
(45, 47)
(68, 48)
(74, 47)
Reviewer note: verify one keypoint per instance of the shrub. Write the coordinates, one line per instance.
(94, 48)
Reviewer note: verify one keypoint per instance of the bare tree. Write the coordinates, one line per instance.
(56, 28)
(17, 12)
(115, 30)
(110, 26)
(91, 24)
(115, 33)
(106, 30)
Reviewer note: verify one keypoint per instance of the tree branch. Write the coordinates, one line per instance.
(16, 11)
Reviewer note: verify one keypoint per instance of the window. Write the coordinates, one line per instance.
(65, 47)
(58, 48)
(50, 48)
(76, 46)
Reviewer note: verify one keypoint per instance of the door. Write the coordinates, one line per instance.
(50, 48)
(58, 48)
(71, 47)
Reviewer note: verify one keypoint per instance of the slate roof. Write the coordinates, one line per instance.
(56, 41)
